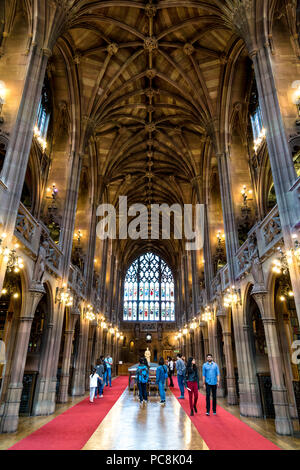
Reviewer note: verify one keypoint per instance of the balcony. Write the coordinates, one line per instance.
(261, 242)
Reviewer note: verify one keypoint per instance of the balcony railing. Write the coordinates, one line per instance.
(262, 239)
(27, 229)
(76, 281)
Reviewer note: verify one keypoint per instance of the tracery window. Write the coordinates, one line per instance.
(43, 115)
(149, 290)
(257, 124)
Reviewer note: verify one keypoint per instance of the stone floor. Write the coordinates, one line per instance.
(128, 426)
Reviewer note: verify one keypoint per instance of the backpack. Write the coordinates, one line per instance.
(105, 366)
(142, 375)
(166, 372)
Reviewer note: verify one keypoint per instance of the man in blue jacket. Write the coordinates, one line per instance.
(180, 367)
(211, 380)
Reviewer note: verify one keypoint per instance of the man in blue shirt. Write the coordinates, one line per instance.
(108, 361)
(180, 367)
(211, 380)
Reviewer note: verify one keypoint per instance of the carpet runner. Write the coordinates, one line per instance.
(223, 431)
(73, 428)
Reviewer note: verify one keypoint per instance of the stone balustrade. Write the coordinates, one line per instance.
(261, 242)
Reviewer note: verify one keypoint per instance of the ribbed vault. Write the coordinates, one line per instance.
(151, 77)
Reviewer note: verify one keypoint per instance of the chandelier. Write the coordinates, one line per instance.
(207, 315)
(13, 262)
(231, 297)
(90, 315)
(64, 295)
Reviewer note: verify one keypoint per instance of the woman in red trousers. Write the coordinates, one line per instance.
(192, 383)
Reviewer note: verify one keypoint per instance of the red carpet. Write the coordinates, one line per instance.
(73, 428)
(223, 431)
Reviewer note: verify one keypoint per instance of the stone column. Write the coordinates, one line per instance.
(197, 345)
(283, 170)
(283, 422)
(217, 359)
(10, 417)
(232, 398)
(78, 388)
(65, 370)
(45, 399)
(231, 236)
(250, 404)
(17, 154)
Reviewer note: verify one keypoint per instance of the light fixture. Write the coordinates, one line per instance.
(112, 331)
(231, 297)
(64, 295)
(296, 97)
(3, 92)
(78, 236)
(207, 315)
(281, 264)
(10, 289)
(220, 236)
(90, 315)
(14, 263)
(53, 190)
(185, 331)
(3, 236)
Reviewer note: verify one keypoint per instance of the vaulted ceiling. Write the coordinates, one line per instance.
(151, 79)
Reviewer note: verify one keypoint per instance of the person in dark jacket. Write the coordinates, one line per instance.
(161, 377)
(171, 367)
(142, 377)
(192, 383)
(100, 371)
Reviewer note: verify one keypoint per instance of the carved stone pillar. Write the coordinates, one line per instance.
(232, 398)
(65, 370)
(283, 422)
(45, 394)
(231, 236)
(283, 170)
(10, 417)
(17, 154)
(250, 404)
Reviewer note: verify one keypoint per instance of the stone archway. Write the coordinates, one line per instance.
(259, 356)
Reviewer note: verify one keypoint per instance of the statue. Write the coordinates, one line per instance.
(148, 355)
(39, 268)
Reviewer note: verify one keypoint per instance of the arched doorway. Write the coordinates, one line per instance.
(10, 308)
(35, 353)
(288, 332)
(259, 357)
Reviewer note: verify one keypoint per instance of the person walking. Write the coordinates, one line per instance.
(180, 367)
(211, 380)
(192, 383)
(141, 378)
(93, 383)
(100, 385)
(109, 362)
(171, 371)
(161, 377)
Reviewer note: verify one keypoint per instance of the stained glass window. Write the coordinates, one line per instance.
(149, 290)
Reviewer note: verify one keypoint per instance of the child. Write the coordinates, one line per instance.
(161, 377)
(93, 383)
(142, 377)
